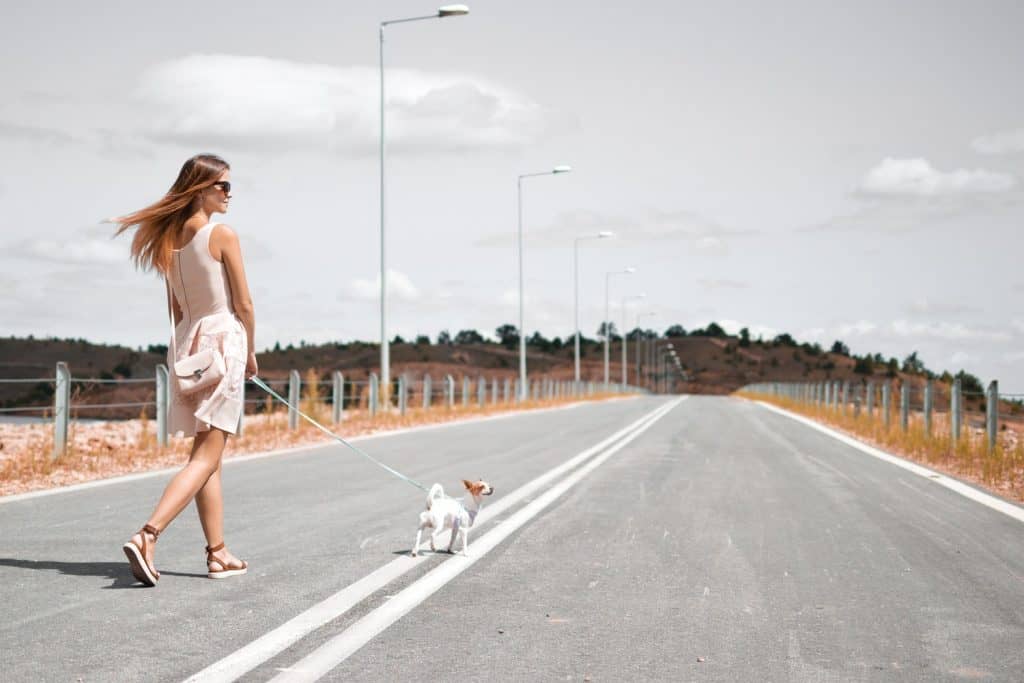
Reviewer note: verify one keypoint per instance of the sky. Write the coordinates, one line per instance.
(850, 173)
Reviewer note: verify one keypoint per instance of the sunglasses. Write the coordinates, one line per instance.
(224, 185)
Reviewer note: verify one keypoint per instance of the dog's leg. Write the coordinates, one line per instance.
(416, 544)
(465, 542)
(455, 534)
(433, 534)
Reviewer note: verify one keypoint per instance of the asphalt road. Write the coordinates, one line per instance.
(725, 542)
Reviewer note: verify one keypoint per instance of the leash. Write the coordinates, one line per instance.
(258, 382)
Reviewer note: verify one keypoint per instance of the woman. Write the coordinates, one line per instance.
(202, 263)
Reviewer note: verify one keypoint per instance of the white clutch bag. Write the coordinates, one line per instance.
(200, 370)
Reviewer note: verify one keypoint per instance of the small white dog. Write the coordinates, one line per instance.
(448, 513)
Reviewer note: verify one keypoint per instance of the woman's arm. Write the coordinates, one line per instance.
(225, 241)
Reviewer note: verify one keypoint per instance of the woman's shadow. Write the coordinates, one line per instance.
(119, 572)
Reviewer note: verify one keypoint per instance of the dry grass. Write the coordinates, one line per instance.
(1000, 470)
(97, 450)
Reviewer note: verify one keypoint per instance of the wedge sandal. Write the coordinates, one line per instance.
(141, 569)
(227, 569)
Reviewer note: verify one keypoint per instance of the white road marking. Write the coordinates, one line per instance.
(240, 662)
(963, 489)
(335, 651)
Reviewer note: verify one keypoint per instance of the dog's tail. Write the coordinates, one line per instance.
(436, 491)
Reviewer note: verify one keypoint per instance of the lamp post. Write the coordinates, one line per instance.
(385, 348)
(522, 330)
(607, 320)
(604, 234)
(639, 317)
(625, 366)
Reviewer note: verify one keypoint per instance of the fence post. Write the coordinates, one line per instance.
(887, 403)
(494, 390)
(905, 405)
(162, 379)
(955, 398)
(928, 405)
(505, 390)
(516, 394)
(61, 410)
(992, 414)
(428, 391)
(374, 391)
(337, 396)
(449, 391)
(871, 400)
(481, 391)
(846, 396)
(294, 383)
(403, 395)
(465, 391)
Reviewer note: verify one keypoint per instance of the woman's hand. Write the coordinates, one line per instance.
(251, 368)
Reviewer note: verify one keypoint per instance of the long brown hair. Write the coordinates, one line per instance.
(159, 223)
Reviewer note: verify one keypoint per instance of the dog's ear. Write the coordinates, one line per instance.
(468, 484)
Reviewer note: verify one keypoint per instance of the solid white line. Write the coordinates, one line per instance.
(240, 662)
(963, 489)
(335, 651)
(231, 460)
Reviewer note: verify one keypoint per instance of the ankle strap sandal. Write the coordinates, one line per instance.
(224, 569)
(142, 570)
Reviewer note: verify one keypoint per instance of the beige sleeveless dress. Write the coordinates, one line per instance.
(203, 292)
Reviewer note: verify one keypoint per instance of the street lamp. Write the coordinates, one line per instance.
(607, 320)
(385, 348)
(604, 234)
(625, 324)
(522, 330)
(639, 345)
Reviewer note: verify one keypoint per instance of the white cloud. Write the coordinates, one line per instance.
(277, 103)
(946, 331)
(813, 333)
(861, 327)
(917, 178)
(935, 308)
(79, 250)
(960, 358)
(717, 284)
(1004, 142)
(400, 288)
(650, 226)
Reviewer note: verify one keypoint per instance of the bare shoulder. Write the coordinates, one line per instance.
(222, 238)
(222, 232)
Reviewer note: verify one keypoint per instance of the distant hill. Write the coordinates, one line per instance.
(715, 363)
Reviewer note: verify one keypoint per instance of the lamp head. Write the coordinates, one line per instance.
(630, 270)
(561, 169)
(605, 234)
(452, 10)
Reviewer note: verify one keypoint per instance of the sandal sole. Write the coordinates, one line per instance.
(227, 573)
(140, 569)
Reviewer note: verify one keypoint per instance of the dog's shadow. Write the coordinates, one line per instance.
(425, 553)
(119, 572)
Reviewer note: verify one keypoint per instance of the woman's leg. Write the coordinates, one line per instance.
(210, 504)
(207, 449)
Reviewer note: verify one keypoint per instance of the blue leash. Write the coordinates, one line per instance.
(258, 382)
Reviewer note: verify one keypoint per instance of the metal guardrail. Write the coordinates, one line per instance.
(447, 395)
(893, 399)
